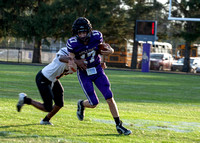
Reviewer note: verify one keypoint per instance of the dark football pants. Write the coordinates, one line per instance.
(49, 93)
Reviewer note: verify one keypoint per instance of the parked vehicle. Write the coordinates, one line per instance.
(194, 51)
(159, 61)
(198, 70)
(178, 65)
(122, 57)
(194, 64)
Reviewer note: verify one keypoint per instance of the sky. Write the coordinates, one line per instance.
(162, 1)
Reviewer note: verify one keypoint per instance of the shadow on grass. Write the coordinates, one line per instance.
(101, 135)
(16, 135)
(17, 125)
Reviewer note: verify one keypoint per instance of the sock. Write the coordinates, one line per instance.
(46, 119)
(117, 120)
(81, 103)
(27, 100)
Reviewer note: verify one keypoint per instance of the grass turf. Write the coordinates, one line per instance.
(157, 107)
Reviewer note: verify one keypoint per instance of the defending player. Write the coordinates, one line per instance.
(49, 86)
(84, 45)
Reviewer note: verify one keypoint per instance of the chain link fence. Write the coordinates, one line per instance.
(22, 52)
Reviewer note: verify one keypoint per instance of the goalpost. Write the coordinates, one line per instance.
(179, 18)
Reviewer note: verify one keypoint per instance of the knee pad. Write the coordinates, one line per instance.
(59, 102)
(108, 95)
(109, 99)
(94, 103)
(93, 106)
(48, 108)
(60, 105)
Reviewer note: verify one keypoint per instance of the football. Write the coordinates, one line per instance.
(103, 47)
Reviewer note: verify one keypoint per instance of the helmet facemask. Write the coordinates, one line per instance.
(82, 24)
(86, 38)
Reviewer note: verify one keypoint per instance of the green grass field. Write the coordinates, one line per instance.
(157, 107)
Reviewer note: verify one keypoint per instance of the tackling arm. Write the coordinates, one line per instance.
(64, 59)
(70, 61)
(80, 63)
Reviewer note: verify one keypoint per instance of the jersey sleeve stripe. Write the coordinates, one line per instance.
(65, 52)
(69, 46)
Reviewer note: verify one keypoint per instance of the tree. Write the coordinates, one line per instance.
(139, 10)
(31, 21)
(102, 14)
(188, 30)
(38, 20)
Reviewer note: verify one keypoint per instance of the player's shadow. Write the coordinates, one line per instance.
(103, 135)
(17, 125)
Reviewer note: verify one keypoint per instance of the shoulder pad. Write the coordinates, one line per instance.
(70, 42)
(97, 35)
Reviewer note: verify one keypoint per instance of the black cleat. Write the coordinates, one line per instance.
(123, 130)
(80, 110)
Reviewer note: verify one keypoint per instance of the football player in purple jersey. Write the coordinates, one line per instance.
(84, 45)
(49, 86)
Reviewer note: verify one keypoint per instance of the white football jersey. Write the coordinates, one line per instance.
(56, 69)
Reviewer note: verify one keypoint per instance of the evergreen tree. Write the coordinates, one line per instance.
(188, 30)
(140, 10)
(38, 20)
(100, 13)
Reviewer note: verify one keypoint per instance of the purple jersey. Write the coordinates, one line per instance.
(87, 52)
(94, 72)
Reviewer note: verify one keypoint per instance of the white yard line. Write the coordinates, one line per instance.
(158, 125)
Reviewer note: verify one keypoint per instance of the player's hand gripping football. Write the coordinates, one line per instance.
(105, 49)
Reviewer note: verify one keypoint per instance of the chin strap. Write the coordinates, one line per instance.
(85, 39)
